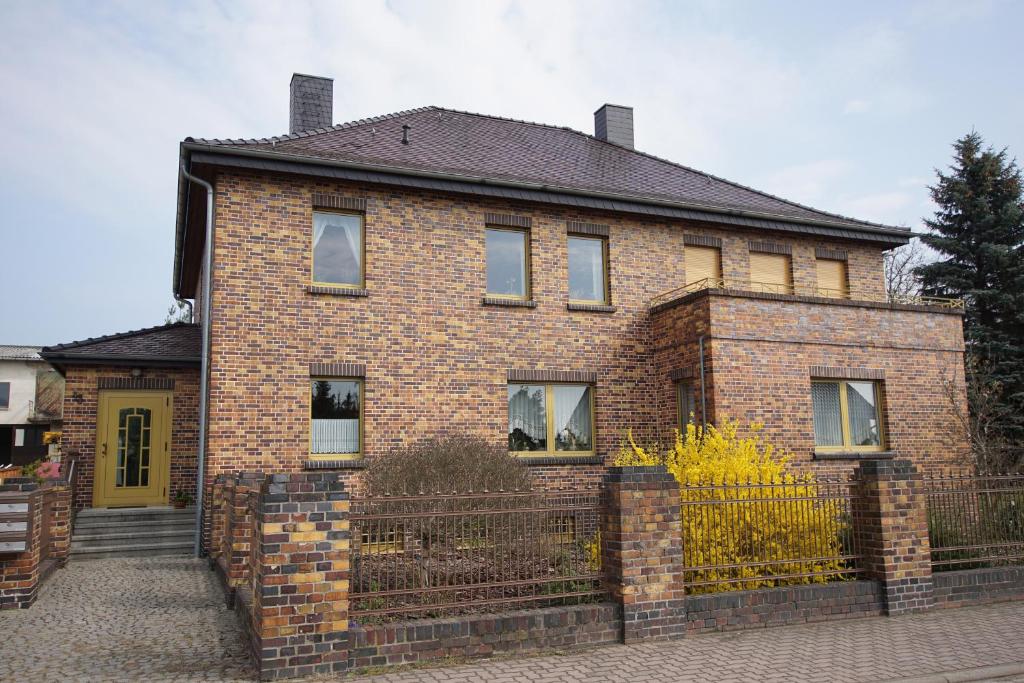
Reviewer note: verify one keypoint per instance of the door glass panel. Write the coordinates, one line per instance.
(133, 447)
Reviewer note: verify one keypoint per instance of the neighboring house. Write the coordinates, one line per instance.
(433, 270)
(31, 402)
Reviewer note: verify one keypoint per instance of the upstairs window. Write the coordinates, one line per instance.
(703, 263)
(588, 270)
(550, 418)
(847, 415)
(338, 255)
(508, 263)
(336, 414)
(771, 273)
(5, 395)
(832, 278)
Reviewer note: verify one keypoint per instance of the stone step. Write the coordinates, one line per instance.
(99, 527)
(107, 515)
(147, 550)
(130, 538)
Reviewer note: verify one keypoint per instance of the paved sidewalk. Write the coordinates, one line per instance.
(154, 619)
(163, 619)
(872, 649)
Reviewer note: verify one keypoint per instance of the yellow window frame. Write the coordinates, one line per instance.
(309, 411)
(362, 249)
(844, 418)
(549, 424)
(527, 248)
(605, 279)
(383, 542)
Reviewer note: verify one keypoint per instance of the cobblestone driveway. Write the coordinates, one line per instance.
(163, 619)
(156, 619)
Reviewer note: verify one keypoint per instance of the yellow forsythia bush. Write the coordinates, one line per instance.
(748, 522)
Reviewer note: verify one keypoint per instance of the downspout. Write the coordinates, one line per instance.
(703, 395)
(204, 372)
(191, 308)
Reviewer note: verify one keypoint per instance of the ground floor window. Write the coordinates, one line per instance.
(336, 413)
(686, 404)
(548, 418)
(847, 415)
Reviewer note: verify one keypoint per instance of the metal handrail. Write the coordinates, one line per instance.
(821, 292)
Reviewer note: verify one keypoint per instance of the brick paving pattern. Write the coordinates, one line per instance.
(123, 619)
(872, 649)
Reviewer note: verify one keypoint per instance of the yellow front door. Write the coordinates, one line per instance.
(133, 435)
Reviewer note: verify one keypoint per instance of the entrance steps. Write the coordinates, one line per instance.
(127, 532)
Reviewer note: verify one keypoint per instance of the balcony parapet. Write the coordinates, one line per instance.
(772, 291)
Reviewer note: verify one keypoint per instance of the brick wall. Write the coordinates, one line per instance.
(436, 357)
(81, 401)
(978, 586)
(482, 635)
(759, 355)
(787, 605)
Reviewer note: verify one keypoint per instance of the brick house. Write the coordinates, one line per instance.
(433, 270)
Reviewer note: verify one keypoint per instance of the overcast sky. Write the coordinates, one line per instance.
(844, 106)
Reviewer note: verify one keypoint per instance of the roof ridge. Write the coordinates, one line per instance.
(313, 131)
(116, 335)
(655, 157)
(831, 215)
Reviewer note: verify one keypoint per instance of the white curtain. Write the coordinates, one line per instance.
(526, 411)
(335, 436)
(828, 420)
(860, 401)
(343, 257)
(573, 419)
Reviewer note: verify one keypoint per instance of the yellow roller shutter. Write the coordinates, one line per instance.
(703, 263)
(771, 273)
(832, 280)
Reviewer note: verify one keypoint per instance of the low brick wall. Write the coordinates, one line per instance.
(783, 606)
(485, 634)
(978, 586)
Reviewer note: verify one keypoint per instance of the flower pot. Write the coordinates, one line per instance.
(179, 504)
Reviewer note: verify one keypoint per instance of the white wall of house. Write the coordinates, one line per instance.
(22, 376)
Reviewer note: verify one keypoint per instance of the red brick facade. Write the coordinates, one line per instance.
(81, 403)
(436, 356)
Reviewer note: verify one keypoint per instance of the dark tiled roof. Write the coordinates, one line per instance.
(482, 148)
(177, 343)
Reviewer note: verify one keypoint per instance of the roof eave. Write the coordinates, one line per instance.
(894, 236)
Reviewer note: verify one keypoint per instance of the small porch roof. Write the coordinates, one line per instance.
(173, 345)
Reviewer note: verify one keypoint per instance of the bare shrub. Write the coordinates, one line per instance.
(447, 464)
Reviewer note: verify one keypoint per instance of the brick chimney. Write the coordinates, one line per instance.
(312, 103)
(614, 123)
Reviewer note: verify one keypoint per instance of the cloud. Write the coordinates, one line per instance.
(856, 107)
(808, 183)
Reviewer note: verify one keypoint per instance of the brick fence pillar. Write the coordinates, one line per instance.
(642, 551)
(301, 576)
(891, 522)
(60, 523)
(215, 504)
(19, 571)
(237, 550)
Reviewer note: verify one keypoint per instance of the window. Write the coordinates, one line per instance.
(338, 257)
(832, 278)
(686, 404)
(549, 418)
(846, 415)
(385, 540)
(562, 529)
(771, 273)
(703, 263)
(588, 270)
(336, 418)
(508, 263)
(5, 395)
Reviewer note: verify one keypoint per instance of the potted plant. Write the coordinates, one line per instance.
(181, 499)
